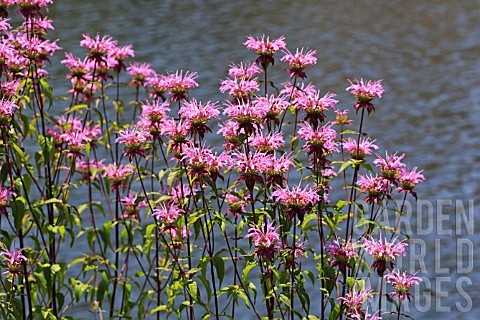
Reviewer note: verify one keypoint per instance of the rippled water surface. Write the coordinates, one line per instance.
(427, 52)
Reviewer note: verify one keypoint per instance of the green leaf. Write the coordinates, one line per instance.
(157, 309)
(219, 265)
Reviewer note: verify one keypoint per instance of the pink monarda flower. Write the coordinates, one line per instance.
(409, 179)
(239, 88)
(315, 106)
(232, 133)
(7, 110)
(246, 114)
(134, 139)
(179, 84)
(177, 132)
(5, 193)
(402, 283)
(158, 85)
(364, 92)
(251, 167)
(277, 169)
(132, 207)
(244, 71)
(266, 240)
(267, 143)
(354, 301)
(89, 169)
(120, 54)
(275, 106)
(376, 186)
(155, 111)
(265, 48)
(197, 160)
(199, 114)
(299, 61)
(391, 166)
(297, 202)
(37, 49)
(341, 117)
(14, 260)
(384, 252)
(76, 142)
(139, 73)
(97, 47)
(341, 254)
(362, 150)
(78, 68)
(179, 194)
(321, 141)
(167, 214)
(31, 8)
(235, 203)
(117, 174)
(5, 26)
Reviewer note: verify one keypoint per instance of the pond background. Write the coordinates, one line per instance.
(428, 55)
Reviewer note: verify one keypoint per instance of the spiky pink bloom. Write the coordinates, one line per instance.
(277, 169)
(37, 49)
(402, 283)
(275, 106)
(299, 61)
(134, 139)
(265, 48)
(78, 68)
(132, 207)
(177, 132)
(267, 242)
(320, 141)
(232, 133)
(7, 110)
(391, 166)
(341, 117)
(158, 85)
(315, 106)
(340, 254)
(89, 169)
(297, 202)
(117, 174)
(178, 193)
(246, 114)
(263, 45)
(384, 252)
(250, 167)
(267, 143)
(365, 92)
(239, 88)
(38, 25)
(376, 187)
(199, 114)
(409, 179)
(244, 70)
(198, 160)
(155, 111)
(354, 301)
(167, 214)
(139, 73)
(14, 260)
(4, 25)
(365, 148)
(120, 54)
(236, 204)
(76, 142)
(180, 83)
(31, 8)
(5, 193)
(98, 47)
